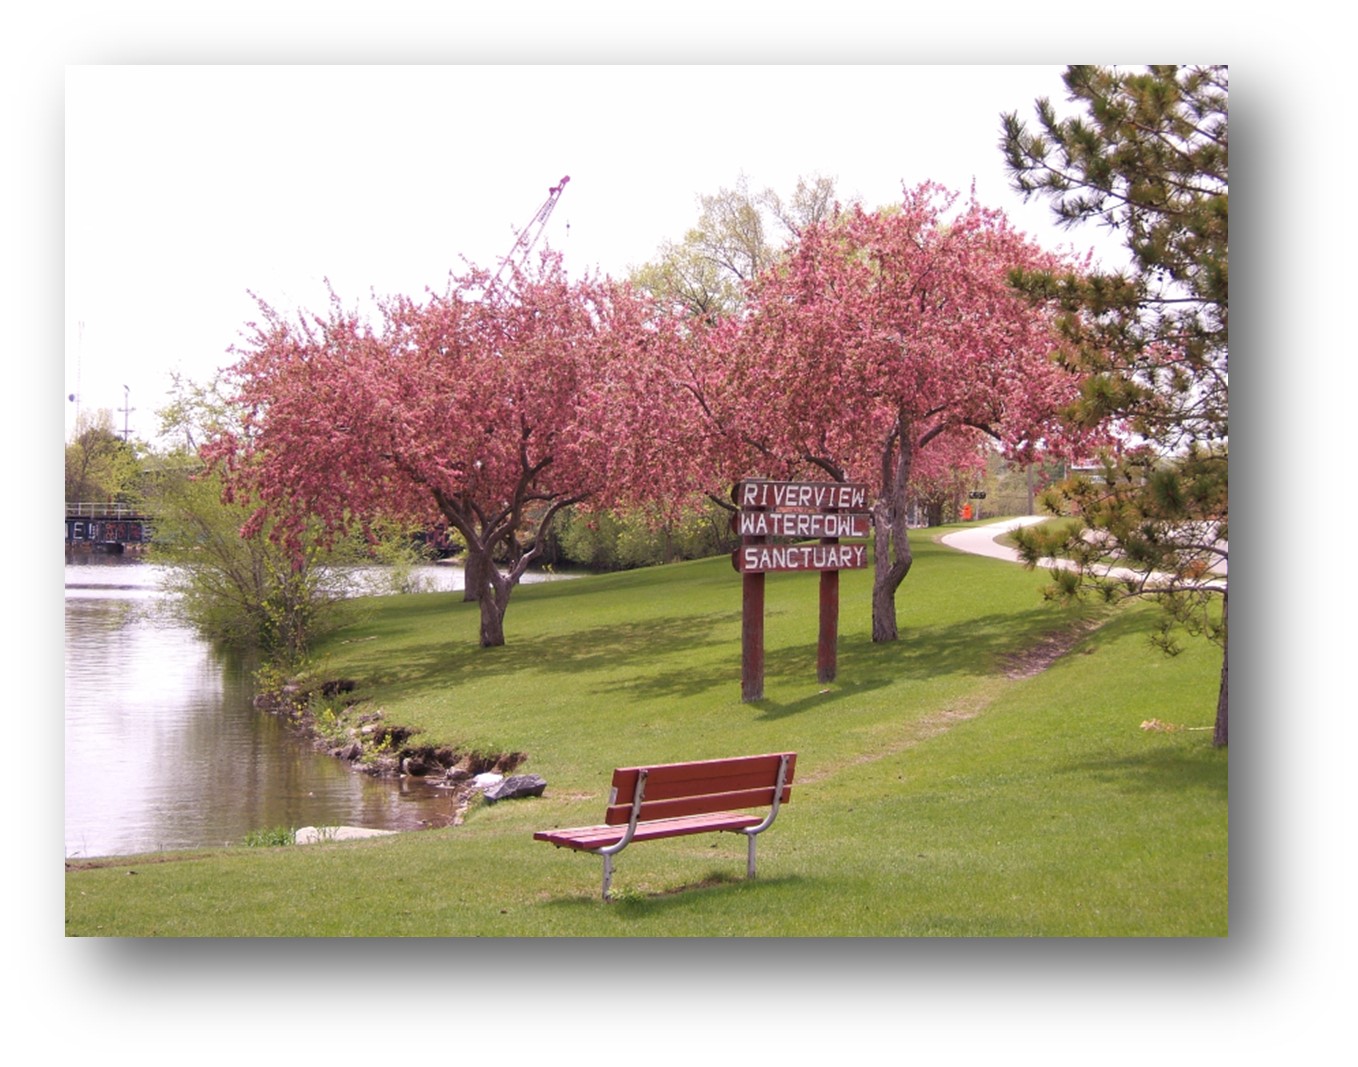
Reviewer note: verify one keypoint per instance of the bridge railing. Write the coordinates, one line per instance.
(100, 510)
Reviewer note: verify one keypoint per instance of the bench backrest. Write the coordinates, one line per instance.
(675, 789)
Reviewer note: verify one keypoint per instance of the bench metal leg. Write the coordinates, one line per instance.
(608, 873)
(749, 862)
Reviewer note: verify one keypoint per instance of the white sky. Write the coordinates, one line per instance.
(186, 187)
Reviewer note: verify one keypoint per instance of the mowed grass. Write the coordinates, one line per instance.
(938, 793)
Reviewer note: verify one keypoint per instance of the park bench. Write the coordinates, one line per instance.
(675, 799)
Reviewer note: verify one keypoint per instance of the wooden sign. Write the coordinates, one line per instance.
(799, 510)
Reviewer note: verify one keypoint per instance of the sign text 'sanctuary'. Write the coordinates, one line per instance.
(760, 559)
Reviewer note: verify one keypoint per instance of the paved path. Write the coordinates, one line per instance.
(980, 540)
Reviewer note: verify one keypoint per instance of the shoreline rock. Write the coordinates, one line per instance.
(310, 835)
(370, 745)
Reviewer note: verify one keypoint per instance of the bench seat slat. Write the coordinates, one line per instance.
(709, 776)
(591, 837)
(666, 808)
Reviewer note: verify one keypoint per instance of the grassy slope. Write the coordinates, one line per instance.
(936, 796)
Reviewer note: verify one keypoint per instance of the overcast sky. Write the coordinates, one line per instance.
(189, 187)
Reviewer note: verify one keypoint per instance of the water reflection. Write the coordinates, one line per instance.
(163, 748)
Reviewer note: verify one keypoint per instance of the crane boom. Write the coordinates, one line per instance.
(528, 236)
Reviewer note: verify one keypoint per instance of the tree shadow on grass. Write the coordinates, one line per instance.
(634, 648)
(1158, 770)
(659, 655)
(797, 668)
(678, 655)
(976, 647)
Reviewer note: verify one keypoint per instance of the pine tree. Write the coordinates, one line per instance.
(1145, 155)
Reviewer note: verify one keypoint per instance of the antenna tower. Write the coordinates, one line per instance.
(127, 410)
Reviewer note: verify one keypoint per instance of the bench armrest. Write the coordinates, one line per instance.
(637, 797)
(777, 800)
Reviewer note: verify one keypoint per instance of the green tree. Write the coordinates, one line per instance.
(1146, 154)
(243, 593)
(619, 540)
(101, 467)
(249, 594)
(737, 235)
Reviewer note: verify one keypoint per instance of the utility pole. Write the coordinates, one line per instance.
(127, 410)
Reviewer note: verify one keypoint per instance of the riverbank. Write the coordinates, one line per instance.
(338, 720)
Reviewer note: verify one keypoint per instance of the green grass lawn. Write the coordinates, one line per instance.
(939, 791)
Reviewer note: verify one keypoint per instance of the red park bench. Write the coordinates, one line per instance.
(674, 799)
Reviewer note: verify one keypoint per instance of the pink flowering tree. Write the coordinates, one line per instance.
(878, 337)
(946, 471)
(488, 408)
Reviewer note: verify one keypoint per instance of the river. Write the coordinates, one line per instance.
(164, 748)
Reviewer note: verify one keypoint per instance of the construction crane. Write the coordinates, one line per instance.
(528, 236)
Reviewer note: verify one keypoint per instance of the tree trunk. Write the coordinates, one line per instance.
(891, 563)
(492, 623)
(484, 580)
(495, 591)
(474, 574)
(1219, 731)
(890, 537)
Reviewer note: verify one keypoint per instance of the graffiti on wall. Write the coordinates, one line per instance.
(107, 531)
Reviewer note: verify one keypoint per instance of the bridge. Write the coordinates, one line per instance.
(106, 527)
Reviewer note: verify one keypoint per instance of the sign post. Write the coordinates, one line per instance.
(752, 629)
(827, 647)
(825, 511)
